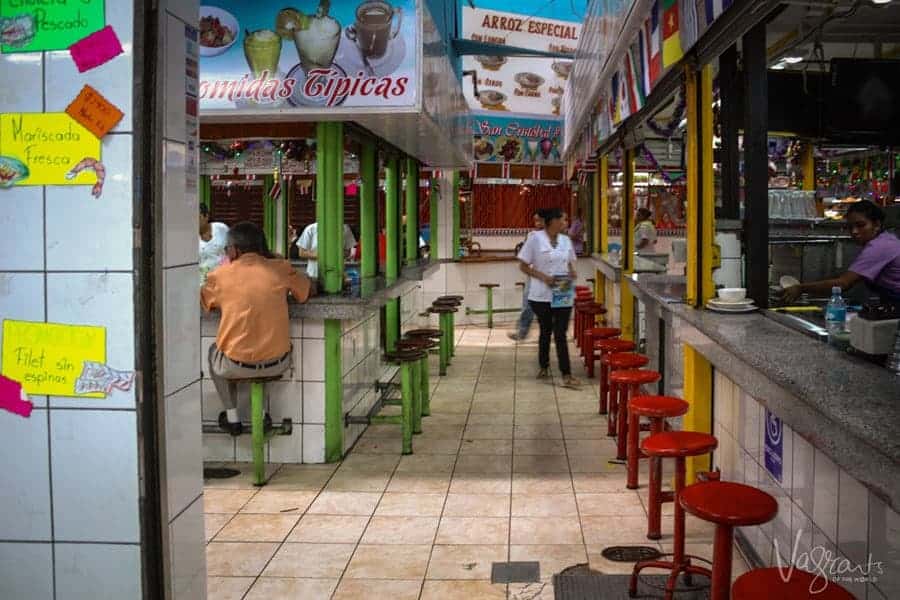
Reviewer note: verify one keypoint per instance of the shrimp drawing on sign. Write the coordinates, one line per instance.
(97, 167)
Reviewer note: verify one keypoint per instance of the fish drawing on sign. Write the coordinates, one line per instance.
(94, 165)
(98, 378)
(12, 170)
(17, 32)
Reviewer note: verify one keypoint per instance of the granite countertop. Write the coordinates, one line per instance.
(373, 294)
(612, 267)
(844, 406)
(665, 289)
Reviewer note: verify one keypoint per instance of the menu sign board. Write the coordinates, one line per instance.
(516, 140)
(345, 53)
(526, 85)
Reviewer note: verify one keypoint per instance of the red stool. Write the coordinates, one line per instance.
(789, 583)
(588, 311)
(657, 409)
(627, 384)
(728, 505)
(678, 445)
(593, 334)
(604, 348)
(581, 298)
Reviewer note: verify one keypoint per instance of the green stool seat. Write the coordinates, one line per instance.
(407, 359)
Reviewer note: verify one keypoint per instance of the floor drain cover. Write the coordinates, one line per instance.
(219, 473)
(630, 553)
(516, 572)
(615, 587)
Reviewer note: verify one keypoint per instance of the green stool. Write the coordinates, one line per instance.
(261, 429)
(445, 313)
(429, 339)
(490, 301)
(419, 375)
(407, 361)
(456, 302)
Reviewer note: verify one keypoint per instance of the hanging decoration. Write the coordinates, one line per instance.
(655, 166)
(300, 150)
(669, 129)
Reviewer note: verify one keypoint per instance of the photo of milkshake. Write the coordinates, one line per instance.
(262, 50)
(318, 42)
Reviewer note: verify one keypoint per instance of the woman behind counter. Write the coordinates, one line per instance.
(878, 264)
(213, 238)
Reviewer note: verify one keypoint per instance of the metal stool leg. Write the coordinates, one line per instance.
(258, 434)
(451, 341)
(426, 386)
(445, 343)
(406, 399)
(416, 385)
(490, 307)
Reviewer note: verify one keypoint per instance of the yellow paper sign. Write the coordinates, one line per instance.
(50, 145)
(47, 358)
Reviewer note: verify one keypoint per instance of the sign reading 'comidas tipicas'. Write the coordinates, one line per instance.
(346, 53)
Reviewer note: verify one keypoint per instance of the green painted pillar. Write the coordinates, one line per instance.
(456, 216)
(330, 206)
(334, 392)
(368, 221)
(392, 235)
(412, 210)
(433, 207)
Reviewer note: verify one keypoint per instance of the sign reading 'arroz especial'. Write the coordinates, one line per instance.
(523, 85)
(345, 53)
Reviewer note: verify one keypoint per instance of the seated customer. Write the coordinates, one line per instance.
(254, 332)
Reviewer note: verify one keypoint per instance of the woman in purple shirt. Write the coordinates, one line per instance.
(878, 264)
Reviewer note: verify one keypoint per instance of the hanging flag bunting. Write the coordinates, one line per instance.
(671, 44)
(638, 67)
(634, 96)
(644, 55)
(624, 106)
(689, 30)
(614, 106)
(653, 37)
(275, 191)
(715, 8)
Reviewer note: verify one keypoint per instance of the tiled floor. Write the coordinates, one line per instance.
(508, 468)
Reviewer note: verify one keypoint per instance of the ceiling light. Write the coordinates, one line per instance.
(792, 60)
(778, 67)
(881, 1)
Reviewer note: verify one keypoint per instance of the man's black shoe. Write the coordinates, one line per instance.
(234, 429)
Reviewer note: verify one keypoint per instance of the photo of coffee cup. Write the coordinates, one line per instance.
(375, 27)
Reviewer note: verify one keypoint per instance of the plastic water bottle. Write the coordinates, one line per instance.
(836, 313)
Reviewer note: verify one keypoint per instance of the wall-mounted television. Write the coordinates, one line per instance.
(863, 101)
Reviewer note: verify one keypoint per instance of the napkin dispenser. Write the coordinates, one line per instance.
(873, 336)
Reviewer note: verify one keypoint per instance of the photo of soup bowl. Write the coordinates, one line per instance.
(491, 99)
(562, 69)
(491, 63)
(529, 81)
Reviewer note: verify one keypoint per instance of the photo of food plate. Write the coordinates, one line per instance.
(219, 30)
(562, 69)
(508, 149)
(12, 171)
(483, 148)
(529, 81)
(491, 63)
(492, 99)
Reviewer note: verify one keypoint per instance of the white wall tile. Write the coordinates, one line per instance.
(21, 209)
(181, 324)
(313, 443)
(218, 447)
(853, 519)
(25, 478)
(314, 328)
(313, 402)
(95, 476)
(92, 571)
(187, 554)
(287, 448)
(285, 400)
(94, 234)
(211, 403)
(27, 95)
(801, 530)
(825, 502)
(184, 448)
(180, 209)
(803, 471)
(752, 420)
(884, 545)
(104, 300)
(22, 299)
(25, 571)
(313, 359)
(174, 78)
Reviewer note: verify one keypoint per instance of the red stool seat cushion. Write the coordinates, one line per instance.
(658, 406)
(603, 333)
(625, 360)
(672, 444)
(728, 503)
(634, 377)
(614, 345)
(770, 584)
(582, 288)
(592, 309)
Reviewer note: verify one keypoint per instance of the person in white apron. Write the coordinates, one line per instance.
(548, 258)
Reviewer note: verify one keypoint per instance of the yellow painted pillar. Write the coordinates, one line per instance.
(698, 393)
(712, 258)
(808, 163)
(601, 220)
(627, 298)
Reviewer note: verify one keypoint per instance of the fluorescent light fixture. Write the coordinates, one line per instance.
(792, 60)
(777, 67)
(881, 1)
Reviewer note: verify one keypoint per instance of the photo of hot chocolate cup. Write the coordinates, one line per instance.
(492, 99)
(262, 49)
(318, 42)
(529, 81)
(375, 27)
(562, 69)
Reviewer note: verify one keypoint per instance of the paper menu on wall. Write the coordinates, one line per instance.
(36, 26)
(48, 145)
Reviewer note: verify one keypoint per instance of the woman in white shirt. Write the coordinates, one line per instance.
(548, 258)
(213, 239)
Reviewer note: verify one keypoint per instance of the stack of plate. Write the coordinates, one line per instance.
(731, 306)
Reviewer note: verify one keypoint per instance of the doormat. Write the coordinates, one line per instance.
(630, 553)
(592, 585)
(516, 572)
(219, 473)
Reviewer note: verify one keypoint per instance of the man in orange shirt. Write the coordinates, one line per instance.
(254, 331)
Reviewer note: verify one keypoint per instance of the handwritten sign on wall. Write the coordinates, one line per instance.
(95, 112)
(50, 25)
(48, 358)
(49, 144)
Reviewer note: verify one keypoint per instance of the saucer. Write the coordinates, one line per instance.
(298, 98)
(731, 303)
(731, 310)
(349, 55)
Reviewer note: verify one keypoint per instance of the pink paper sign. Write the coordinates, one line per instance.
(12, 398)
(96, 49)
